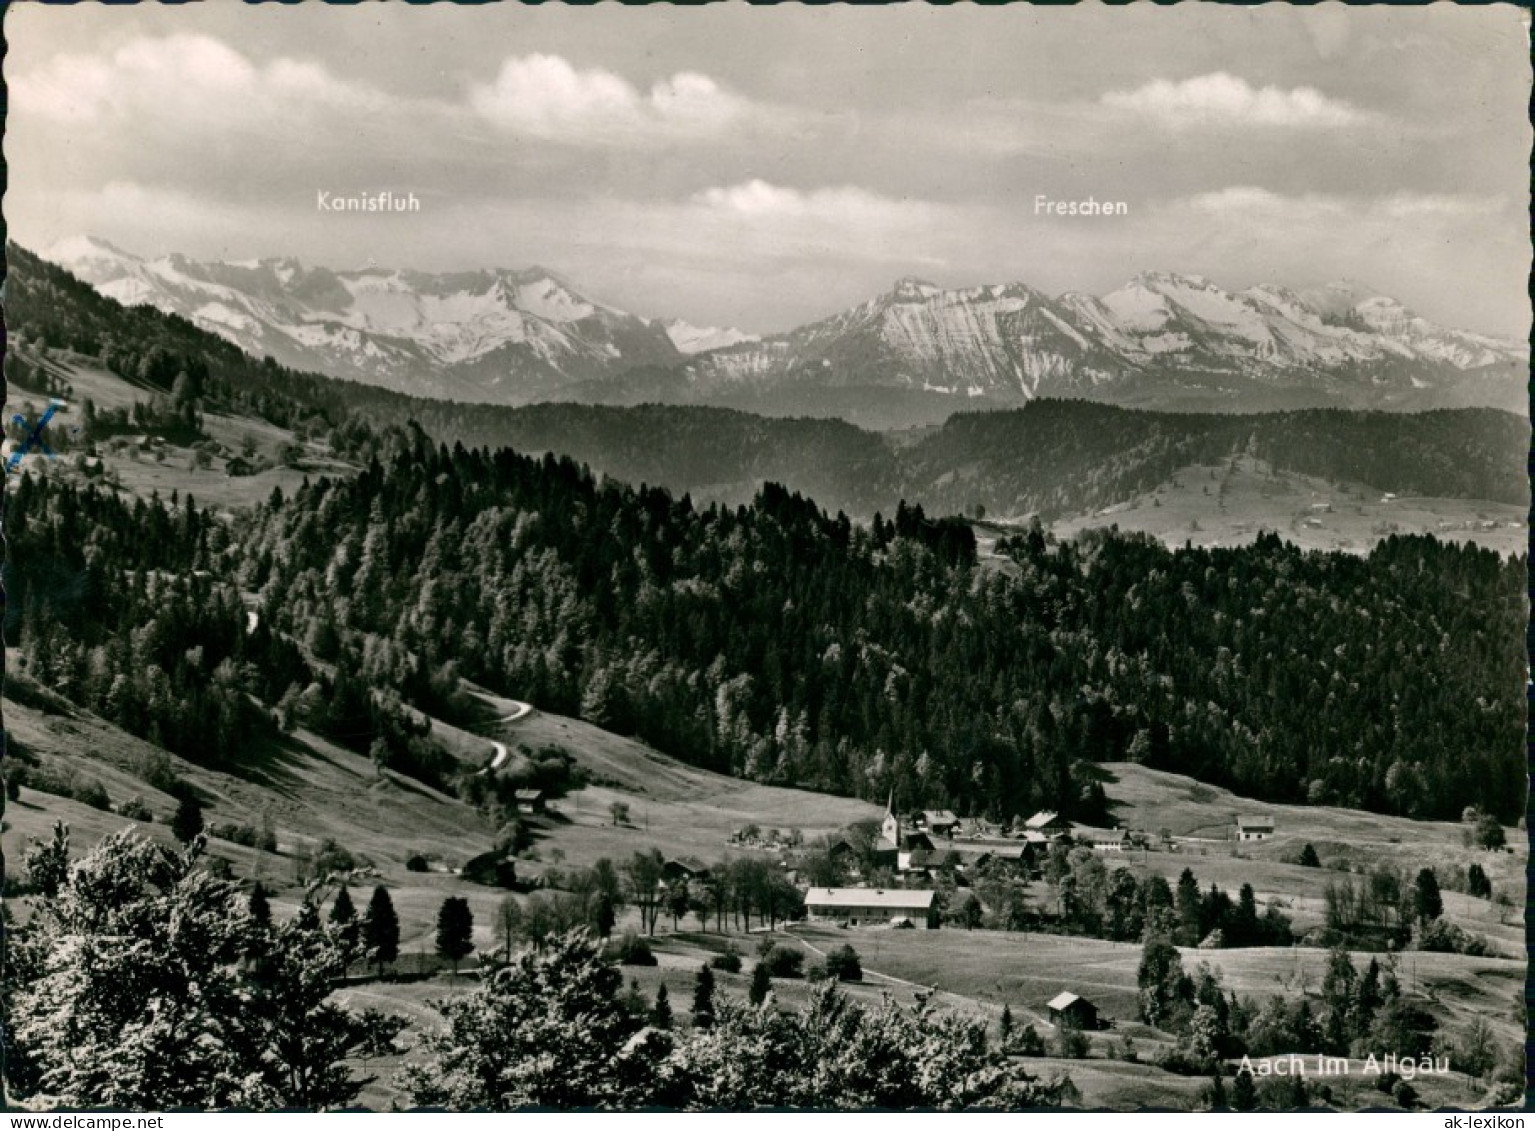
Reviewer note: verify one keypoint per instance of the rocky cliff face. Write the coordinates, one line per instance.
(1161, 338)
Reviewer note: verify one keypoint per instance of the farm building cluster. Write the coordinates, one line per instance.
(922, 841)
(917, 846)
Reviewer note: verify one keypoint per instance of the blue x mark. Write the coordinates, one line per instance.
(34, 437)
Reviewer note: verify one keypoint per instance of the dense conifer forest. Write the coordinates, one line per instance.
(775, 641)
(1060, 457)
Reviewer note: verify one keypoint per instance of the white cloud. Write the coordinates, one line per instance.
(1224, 99)
(846, 205)
(176, 85)
(152, 219)
(183, 80)
(544, 96)
(1434, 251)
(1413, 206)
(1253, 203)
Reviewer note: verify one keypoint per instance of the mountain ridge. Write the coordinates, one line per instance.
(1052, 457)
(518, 335)
(468, 335)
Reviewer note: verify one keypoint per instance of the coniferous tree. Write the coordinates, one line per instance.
(1162, 984)
(604, 914)
(1339, 985)
(1428, 904)
(1242, 925)
(342, 911)
(761, 984)
(1189, 907)
(661, 1015)
(187, 821)
(259, 907)
(1244, 1091)
(703, 997)
(47, 862)
(1217, 1088)
(343, 918)
(634, 1000)
(1309, 858)
(970, 912)
(1477, 883)
(722, 682)
(1369, 996)
(381, 929)
(308, 916)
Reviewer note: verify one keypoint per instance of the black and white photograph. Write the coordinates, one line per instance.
(841, 558)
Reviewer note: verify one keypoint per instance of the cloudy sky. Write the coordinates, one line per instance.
(764, 166)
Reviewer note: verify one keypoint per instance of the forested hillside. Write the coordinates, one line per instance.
(1053, 458)
(785, 645)
(127, 607)
(714, 453)
(779, 643)
(1062, 457)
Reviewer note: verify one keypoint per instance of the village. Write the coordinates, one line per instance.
(910, 869)
(932, 845)
(908, 873)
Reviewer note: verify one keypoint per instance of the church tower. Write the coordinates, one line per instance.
(890, 828)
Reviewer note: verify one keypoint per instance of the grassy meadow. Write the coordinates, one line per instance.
(1231, 504)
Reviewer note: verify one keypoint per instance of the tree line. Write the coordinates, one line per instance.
(741, 893)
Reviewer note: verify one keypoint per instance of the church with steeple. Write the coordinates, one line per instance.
(896, 844)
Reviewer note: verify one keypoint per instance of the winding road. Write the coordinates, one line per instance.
(500, 759)
(522, 711)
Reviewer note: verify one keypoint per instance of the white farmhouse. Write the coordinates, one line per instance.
(870, 906)
(1255, 828)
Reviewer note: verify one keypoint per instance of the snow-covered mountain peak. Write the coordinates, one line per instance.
(87, 244)
(690, 339)
(503, 335)
(510, 335)
(1138, 306)
(91, 258)
(1161, 334)
(909, 288)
